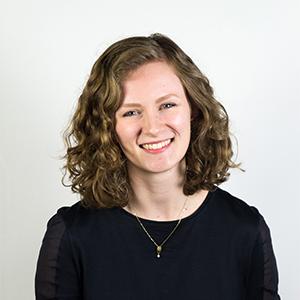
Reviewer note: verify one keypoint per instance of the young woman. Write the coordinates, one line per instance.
(148, 146)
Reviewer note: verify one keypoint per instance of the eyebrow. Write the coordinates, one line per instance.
(160, 99)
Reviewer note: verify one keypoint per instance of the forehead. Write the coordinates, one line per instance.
(152, 80)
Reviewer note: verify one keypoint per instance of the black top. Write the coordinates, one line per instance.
(222, 251)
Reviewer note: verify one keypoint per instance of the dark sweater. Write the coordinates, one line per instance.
(223, 251)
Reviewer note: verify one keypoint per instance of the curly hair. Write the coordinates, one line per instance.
(94, 159)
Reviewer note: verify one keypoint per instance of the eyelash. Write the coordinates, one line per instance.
(126, 114)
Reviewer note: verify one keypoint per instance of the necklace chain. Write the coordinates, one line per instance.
(159, 247)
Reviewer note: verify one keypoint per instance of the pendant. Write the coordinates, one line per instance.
(158, 250)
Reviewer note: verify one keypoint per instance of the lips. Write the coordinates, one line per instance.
(153, 145)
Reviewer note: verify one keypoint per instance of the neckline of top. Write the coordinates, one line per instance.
(183, 220)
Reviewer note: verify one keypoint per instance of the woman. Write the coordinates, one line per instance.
(148, 146)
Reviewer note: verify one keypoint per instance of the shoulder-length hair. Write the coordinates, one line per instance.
(94, 159)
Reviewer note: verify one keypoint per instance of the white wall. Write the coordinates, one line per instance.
(249, 51)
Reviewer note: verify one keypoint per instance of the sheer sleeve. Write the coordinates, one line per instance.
(57, 275)
(263, 273)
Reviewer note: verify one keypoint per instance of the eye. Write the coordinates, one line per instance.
(168, 105)
(129, 113)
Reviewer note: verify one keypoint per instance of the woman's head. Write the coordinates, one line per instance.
(153, 122)
(96, 159)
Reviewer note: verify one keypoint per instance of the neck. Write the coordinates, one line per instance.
(157, 196)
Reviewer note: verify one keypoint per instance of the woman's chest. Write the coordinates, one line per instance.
(211, 266)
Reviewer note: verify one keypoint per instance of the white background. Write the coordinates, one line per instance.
(248, 49)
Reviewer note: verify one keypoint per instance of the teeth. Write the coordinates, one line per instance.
(157, 146)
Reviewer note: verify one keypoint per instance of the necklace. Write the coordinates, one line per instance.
(159, 247)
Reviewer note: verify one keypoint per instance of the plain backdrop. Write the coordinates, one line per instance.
(248, 49)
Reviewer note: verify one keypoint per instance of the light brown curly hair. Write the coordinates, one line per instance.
(94, 159)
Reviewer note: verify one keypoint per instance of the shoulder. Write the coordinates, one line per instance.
(235, 207)
(77, 218)
(232, 210)
(248, 224)
(68, 214)
(237, 217)
(64, 216)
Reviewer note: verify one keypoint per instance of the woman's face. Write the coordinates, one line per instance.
(154, 110)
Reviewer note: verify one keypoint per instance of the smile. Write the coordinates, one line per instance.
(157, 145)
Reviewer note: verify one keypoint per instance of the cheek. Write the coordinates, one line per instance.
(180, 122)
(125, 132)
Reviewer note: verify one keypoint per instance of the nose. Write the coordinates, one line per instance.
(151, 123)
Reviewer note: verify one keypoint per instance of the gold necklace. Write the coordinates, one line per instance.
(159, 247)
